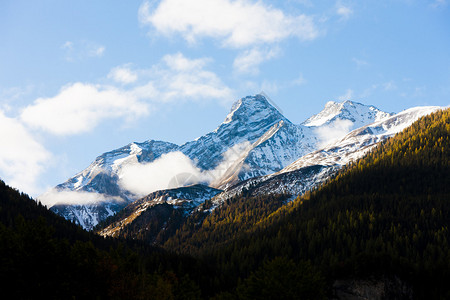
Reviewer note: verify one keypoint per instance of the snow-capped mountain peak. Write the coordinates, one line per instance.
(361, 140)
(251, 108)
(359, 114)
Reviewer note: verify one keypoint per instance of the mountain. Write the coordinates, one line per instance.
(254, 140)
(306, 173)
(360, 141)
(102, 177)
(316, 167)
(359, 114)
(379, 229)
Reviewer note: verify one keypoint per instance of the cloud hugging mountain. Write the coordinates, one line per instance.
(255, 141)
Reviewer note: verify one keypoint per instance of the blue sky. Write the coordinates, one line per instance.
(79, 78)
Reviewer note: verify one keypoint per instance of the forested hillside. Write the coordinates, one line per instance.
(386, 216)
(44, 256)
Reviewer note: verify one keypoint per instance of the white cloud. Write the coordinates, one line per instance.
(65, 197)
(123, 74)
(175, 169)
(142, 179)
(347, 96)
(97, 51)
(78, 51)
(11, 97)
(67, 45)
(187, 78)
(80, 107)
(231, 159)
(360, 62)
(333, 132)
(236, 24)
(343, 11)
(22, 158)
(249, 60)
(178, 62)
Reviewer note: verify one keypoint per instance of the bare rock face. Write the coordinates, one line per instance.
(373, 289)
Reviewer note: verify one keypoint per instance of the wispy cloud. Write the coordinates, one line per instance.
(78, 51)
(123, 74)
(273, 86)
(347, 96)
(249, 60)
(179, 62)
(343, 11)
(389, 86)
(68, 45)
(235, 24)
(300, 80)
(333, 132)
(66, 197)
(184, 78)
(360, 62)
(96, 51)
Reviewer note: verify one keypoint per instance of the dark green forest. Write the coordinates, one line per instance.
(385, 216)
(43, 256)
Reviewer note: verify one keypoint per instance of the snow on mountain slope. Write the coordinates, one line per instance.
(95, 193)
(278, 147)
(359, 141)
(314, 168)
(250, 118)
(255, 139)
(88, 215)
(294, 183)
(359, 114)
(102, 173)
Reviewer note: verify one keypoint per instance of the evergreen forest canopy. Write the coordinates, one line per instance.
(384, 216)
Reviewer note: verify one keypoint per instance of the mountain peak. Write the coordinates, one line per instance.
(359, 114)
(253, 107)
